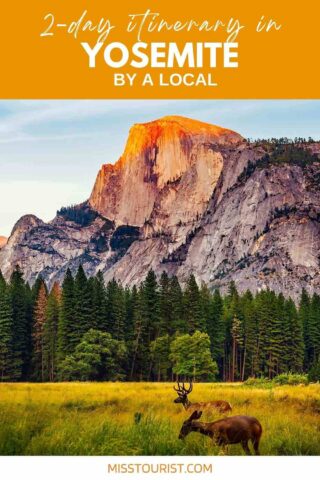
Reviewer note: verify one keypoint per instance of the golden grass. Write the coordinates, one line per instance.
(98, 418)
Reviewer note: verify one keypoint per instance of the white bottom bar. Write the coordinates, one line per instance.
(101, 468)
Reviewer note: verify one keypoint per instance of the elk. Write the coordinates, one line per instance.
(227, 431)
(220, 405)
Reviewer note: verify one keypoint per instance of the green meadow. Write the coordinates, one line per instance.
(141, 418)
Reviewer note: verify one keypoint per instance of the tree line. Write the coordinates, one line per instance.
(282, 140)
(86, 330)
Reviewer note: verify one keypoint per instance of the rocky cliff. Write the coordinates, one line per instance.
(187, 197)
(176, 158)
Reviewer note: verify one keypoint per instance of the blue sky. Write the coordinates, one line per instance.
(51, 151)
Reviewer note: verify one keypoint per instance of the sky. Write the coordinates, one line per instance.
(51, 151)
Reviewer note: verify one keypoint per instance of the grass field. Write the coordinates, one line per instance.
(99, 419)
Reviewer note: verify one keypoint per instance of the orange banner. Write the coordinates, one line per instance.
(159, 49)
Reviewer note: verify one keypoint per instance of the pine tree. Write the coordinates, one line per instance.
(250, 325)
(116, 311)
(39, 316)
(99, 303)
(205, 300)
(232, 301)
(230, 311)
(237, 344)
(67, 337)
(82, 305)
(285, 313)
(150, 306)
(50, 333)
(314, 330)
(6, 332)
(119, 313)
(165, 305)
(178, 323)
(139, 356)
(39, 283)
(146, 326)
(160, 351)
(217, 330)
(192, 307)
(146, 319)
(273, 339)
(263, 317)
(131, 301)
(111, 289)
(304, 313)
(21, 340)
(294, 341)
(29, 322)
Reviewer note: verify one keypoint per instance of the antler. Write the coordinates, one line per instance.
(182, 389)
(188, 390)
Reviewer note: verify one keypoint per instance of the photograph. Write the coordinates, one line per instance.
(159, 277)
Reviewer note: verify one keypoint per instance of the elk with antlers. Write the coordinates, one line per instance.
(220, 405)
(227, 431)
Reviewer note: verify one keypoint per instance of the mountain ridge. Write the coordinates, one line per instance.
(187, 197)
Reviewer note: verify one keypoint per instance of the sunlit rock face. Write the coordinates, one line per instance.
(3, 241)
(182, 199)
(163, 157)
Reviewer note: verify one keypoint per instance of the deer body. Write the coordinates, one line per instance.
(227, 431)
(220, 405)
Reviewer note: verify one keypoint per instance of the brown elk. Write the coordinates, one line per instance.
(220, 405)
(227, 431)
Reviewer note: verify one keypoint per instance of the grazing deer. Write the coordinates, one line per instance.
(230, 430)
(220, 405)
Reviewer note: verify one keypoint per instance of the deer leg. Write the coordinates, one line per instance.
(256, 442)
(223, 450)
(245, 447)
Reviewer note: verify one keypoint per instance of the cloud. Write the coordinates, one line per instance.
(28, 121)
(20, 115)
(24, 120)
(23, 137)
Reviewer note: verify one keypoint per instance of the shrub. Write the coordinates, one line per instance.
(258, 382)
(282, 379)
(314, 374)
(291, 379)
